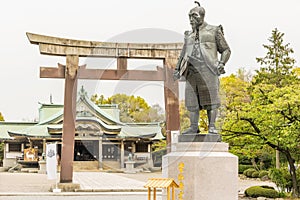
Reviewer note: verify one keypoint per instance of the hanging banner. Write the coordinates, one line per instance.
(51, 161)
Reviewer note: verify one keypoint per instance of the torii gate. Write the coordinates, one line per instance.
(71, 72)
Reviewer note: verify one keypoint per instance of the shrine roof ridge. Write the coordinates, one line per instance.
(50, 104)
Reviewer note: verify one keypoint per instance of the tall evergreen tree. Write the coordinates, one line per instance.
(277, 66)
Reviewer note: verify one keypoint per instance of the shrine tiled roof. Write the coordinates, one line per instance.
(5, 127)
(36, 131)
(150, 131)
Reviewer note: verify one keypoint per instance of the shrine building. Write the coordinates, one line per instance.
(102, 141)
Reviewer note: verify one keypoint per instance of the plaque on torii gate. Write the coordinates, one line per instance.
(71, 72)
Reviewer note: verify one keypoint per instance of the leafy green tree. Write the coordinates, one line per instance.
(234, 92)
(132, 109)
(98, 100)
(271, 117)
(244, 75)
(297, 71)
(158, 146)
(156, 113)
(185, 119)
(234, 95)
(183, 116)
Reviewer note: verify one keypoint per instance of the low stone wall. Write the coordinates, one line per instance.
(9, 162)
(85, 165)
(111, 165)
(3, 169)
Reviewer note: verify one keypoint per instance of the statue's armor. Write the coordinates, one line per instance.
(201, 73)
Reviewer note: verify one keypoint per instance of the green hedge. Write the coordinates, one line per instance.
(259, 191)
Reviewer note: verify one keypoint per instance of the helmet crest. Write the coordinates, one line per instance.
(197, 2)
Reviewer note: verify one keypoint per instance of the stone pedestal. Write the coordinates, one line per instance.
(208, 171)
(130, 167)
(42, 167)
(199, 138)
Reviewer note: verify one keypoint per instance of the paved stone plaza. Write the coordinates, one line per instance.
(14, 183)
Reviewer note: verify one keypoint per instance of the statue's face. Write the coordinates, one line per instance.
(196, 19)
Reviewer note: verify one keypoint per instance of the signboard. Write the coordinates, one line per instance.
(51, 161)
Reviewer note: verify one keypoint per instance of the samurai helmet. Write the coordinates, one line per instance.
(198, 9)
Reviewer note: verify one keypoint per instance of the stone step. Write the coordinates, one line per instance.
(29, 170)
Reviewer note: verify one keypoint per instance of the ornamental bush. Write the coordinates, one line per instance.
(263, 173)
(259, 191)
(281, 177)
(249, 172)
(255, 174)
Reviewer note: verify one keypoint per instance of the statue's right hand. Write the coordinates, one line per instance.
(221, 69)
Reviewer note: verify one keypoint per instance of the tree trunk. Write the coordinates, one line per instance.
(254, 164)
(293, 173)
(277, 159)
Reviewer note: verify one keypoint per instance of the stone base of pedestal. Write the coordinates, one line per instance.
(66, 187)
(42, 167)
(207, 171)
(130, 167)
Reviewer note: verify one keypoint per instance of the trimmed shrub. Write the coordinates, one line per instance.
(282, 178)
(255, 174)
(259, 191)
(249, 172)
(242, 168)
(263, 173)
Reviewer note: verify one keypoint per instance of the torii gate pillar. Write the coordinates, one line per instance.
(68, 136)
(171, 100)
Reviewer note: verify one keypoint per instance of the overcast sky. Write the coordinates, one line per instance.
(247, 26)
